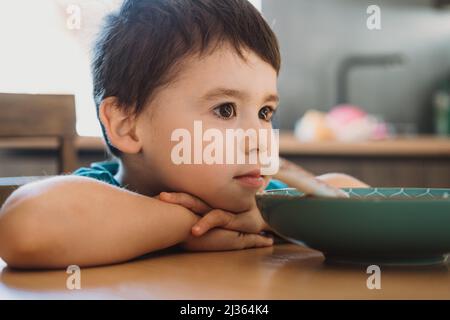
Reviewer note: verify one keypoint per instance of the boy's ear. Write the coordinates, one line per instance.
(120, 126)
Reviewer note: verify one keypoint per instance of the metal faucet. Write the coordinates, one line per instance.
(357, 61)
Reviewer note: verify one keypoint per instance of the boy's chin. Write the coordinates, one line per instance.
(233, 204)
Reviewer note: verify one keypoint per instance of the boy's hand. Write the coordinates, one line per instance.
(295, 176)
(222, 239)
(249, 222)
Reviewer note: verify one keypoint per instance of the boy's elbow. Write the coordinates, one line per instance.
(20, 241)
(18, 252)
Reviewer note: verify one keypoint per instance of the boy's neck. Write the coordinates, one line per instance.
(130, 177)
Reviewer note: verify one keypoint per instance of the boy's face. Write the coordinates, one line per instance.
(221, 91)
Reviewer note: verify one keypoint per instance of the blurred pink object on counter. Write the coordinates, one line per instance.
(347, 123)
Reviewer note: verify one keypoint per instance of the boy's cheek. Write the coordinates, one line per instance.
(196, 179)
(222, 194)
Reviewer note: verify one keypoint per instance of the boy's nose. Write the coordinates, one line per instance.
(259, 142)
(255, 142)
(251, 143)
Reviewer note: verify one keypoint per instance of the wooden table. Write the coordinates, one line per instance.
(284, 271)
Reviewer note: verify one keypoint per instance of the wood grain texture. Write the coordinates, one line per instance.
(284, 271)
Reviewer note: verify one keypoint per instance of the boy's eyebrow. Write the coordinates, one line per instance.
(220, 92)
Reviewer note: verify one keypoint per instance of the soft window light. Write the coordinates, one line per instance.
(40, 54)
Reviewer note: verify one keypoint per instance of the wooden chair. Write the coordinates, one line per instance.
(37, 116)
(41, 115)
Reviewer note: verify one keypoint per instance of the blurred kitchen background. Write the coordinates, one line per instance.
(374, 103)
(405, 63)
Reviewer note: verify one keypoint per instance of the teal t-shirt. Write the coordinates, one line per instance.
(105, 171)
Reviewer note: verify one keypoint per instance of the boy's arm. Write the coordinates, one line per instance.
(338, 180)
(342, 180)
(75, 220)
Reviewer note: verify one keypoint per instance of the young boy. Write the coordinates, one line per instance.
(159, 66)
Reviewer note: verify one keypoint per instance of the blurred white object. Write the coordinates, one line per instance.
(313, 126)
(345, 123)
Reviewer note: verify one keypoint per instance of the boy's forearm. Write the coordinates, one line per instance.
(84, 222)
(342, 180)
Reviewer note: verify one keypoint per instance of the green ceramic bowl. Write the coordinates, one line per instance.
(395, 226)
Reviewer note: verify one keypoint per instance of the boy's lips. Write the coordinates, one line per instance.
(251, 179)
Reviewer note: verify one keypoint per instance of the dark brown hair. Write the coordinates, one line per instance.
(140, 45)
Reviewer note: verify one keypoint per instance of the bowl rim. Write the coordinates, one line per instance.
(277, 194)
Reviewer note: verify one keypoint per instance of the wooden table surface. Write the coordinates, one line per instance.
(284, 271)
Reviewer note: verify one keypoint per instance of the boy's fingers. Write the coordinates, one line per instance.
(309, 185)
(185, 200)
(215, 218)
(221, 239)
(255, 241)
(216, 239)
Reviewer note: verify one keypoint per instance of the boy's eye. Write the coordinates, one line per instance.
(225, 111)
(266, 113)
